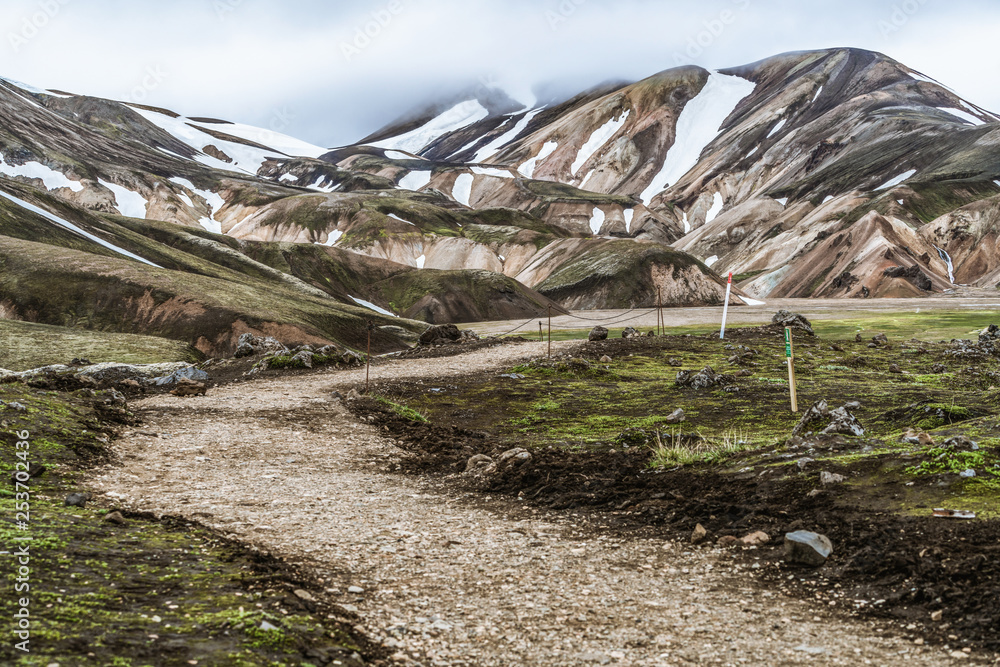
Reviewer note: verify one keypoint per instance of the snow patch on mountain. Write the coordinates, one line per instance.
(288, 178)
(332, 238)
(597, 221)
(816, 96)
(964, 115)
(215, 203)
(275, 140)
(245, 159)
(462, 192)
(372, 306)
(490, 171)
(528, 168)
(601, 136)
(421, 261)
(629, 216)
(717, 204)
(777, 128)
(415, 180)
(28, 88)
(711, 260)
(396, 217)
(699, 123)
(73, 228)
(893, 182)
(130, 204)
(783, 201)
(490, 149)
(52, 179)
(397, 155)
(459, 116)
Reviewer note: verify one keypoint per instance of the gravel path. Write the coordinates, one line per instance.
(451, 579)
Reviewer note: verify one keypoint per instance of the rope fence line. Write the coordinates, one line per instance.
(587, 319)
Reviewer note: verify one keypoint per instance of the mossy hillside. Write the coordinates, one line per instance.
(467, 296)
(621, 268)
(24, 345)
(71, 288)
(143, 593)
(561, 192)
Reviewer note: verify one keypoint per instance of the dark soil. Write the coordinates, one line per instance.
(884, 564)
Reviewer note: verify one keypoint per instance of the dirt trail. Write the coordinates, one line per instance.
(457, 580)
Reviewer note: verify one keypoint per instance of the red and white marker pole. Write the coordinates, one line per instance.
(725, 308)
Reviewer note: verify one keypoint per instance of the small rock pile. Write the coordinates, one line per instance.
(785, 318)
(446, 334)
(821, 419)
(704, 379)
(988, 345)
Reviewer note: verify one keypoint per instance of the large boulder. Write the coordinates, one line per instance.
(188, 373)
(250, 345)
(795, 320)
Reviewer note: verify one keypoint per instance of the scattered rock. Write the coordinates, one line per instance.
(894, 368)
(804, 462)
(727, 541)
(606, 359)
(15, 406)
(189, 388)
(477, 464)
(676, 417)
(967, 474)
(249, 345)
(34, 470)
(756, 539)
(305, 356)
(795, 320)
(937, 369)
(936, 616)
(115, 518)
(807, 548)
(699, 534)
(675, 362)
(598, 333)
(702, 379)
(629, 332)
(828, 478)
(77, 499)
(265, 626)
(355, 590)
(190, 373)
(304, 595)
(880, 339)
(819, 418)
(353, 395)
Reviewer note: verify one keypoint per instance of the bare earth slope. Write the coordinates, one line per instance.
(456, 580)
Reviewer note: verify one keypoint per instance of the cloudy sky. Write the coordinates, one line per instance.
(332, 72)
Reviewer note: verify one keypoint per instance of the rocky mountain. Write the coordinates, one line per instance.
(826, 173)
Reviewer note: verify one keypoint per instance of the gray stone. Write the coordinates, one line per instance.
(305, 356)
(355, 590)
(264, 625)
(606, 359)
(827, 478)
(77, 500)
(807, 548)
(676, 417)
(189, 373)
(804, 462)
(304, 595)
(699, 534)
(629, 332)
(477, 464)
(598, 333)
(967, 474)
